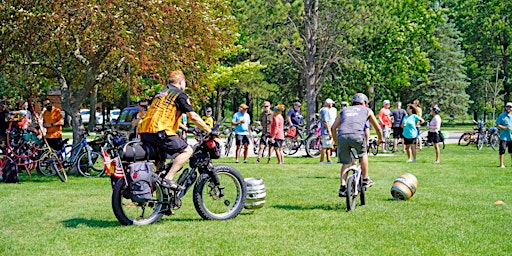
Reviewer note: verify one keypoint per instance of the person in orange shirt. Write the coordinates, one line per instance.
(53, 122)
(385, 122)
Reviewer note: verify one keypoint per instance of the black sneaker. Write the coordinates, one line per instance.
(171, 184)
(367, 182)
(343, 191)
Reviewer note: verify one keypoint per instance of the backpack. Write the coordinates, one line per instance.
(142, 181)
(10, 172)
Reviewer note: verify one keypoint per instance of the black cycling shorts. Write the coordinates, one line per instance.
(169, 144)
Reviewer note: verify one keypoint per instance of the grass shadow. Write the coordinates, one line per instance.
(325, 207)
(76, 222)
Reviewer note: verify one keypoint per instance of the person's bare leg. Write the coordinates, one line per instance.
(178, 162)
(246, 152)
(237, 153)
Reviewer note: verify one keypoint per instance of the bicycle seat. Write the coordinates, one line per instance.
(136, 151)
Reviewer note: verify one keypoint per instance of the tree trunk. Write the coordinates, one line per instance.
(93, 100)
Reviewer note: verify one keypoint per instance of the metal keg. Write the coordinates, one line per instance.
(256, 193)
(404, 187)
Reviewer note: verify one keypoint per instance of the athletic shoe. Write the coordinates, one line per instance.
(171, 184)
(343, 191)
(367, 182)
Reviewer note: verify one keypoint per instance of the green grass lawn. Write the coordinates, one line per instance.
(452, 213)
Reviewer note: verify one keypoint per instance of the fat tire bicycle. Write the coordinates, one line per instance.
(219, 190)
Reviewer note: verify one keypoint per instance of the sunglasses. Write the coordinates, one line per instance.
(508, 106)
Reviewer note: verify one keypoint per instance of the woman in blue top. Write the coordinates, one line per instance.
(410, 132)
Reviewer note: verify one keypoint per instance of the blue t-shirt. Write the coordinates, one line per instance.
(325, 116)
(410, 131)
(242, 129)
(295, 116)
(505, 120)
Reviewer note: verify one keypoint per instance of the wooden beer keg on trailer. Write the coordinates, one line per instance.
(256, 193)
(404, 187)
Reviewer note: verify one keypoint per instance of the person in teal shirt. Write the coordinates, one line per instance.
(504, 123)
(410, 132)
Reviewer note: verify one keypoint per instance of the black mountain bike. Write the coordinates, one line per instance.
(219, 191)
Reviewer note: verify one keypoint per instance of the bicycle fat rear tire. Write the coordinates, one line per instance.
(130, 213)
(221, 202)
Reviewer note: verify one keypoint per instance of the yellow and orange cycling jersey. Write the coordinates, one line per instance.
(164, 114)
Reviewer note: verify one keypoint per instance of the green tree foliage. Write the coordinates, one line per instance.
(79, 43)
(487, 31)
(447, 80)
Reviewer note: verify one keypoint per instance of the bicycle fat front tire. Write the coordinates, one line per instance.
(351, 197)
(313, 146)
(95, 169)
(131, 213)
(221, 202)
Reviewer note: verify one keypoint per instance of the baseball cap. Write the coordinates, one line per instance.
(266, 104)
(509, 104)
(329, 101)
(244, 106)
(297, 104)
(208, 109)
(385, 102)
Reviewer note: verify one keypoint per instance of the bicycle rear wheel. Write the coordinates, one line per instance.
(44, 163)
(313, 146)
(495, 141)
(93, 167)
(131, 213)
(465, 139)
(374, 148)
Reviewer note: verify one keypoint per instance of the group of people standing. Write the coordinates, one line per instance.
(405, 125)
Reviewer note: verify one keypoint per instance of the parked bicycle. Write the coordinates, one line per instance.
(88, 162)
(256, 138)
(219, 190)
(297, 136)
(229, 140)
(373, 147)
(489, 136)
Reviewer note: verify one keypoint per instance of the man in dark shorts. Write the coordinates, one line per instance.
(351, 134)
(397, 115)
(159, 126)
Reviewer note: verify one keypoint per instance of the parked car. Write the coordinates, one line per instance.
(114, 115)
(85, 113)
(124, 122)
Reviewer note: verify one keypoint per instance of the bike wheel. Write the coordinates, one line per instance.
(479, 142)
(389, 145)
(227, 147)
(130, 213)
(351, 193)
(93, 169)
(313, 146)
(495, 142)
(221, 202)
(44, 163)
(289, 145)
(56, 165)
(374, 148)
(362, 191)
(465, 139)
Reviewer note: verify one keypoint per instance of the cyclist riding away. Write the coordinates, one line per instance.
(351, 134)
(159, 125)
